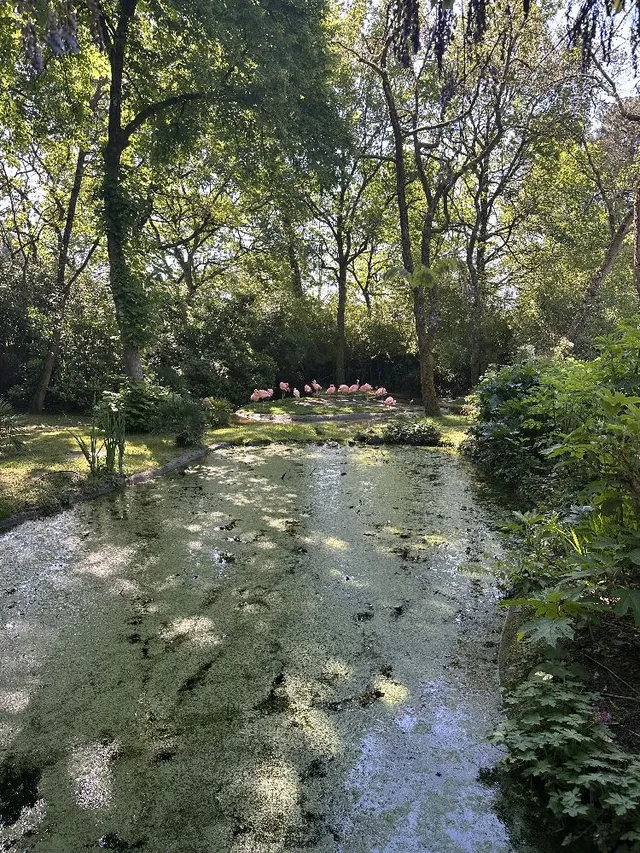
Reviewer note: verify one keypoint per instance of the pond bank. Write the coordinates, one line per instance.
(50, 474)
(285, 648)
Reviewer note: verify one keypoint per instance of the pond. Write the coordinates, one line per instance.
(281, 648)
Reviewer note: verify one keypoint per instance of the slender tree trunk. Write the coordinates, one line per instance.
(636, 245)
(63, 288)
(367, 300)
(128, 294)
(401, 176)
(477, 266)
(425, 309)
(585, 308)
(425, 329)
(340, 326)
(477, 277)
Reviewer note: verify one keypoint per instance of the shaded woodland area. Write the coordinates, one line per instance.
(216, 214)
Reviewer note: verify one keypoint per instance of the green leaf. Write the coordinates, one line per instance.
(549, 631)
(628, 600)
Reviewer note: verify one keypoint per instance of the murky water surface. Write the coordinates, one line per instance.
(283, 649)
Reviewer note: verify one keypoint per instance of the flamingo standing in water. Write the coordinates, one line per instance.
(353, 389)
(331, 389)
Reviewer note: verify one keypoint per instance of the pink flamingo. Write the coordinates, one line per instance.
(343, 389)
(255, 396)
(296, 393)
(389, 402)
(331, 389)
(284, 387)
(381, 392)
(366, 387)
(316, 386)
(307, 389)
(269, 394)
(353, 389)
(264, 395)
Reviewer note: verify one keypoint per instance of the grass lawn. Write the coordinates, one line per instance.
(50, 465)
(316, 406)
(454, 429)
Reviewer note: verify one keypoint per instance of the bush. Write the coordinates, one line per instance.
(141, 404)
(108, 419)
(525, 409)
(420, 432)
(217, 412)
(153, 408)
(574, 576)
(185, 416)
(557, 743)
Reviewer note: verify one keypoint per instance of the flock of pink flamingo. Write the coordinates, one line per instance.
(260, 394)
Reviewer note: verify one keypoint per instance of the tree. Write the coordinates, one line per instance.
(253, 72)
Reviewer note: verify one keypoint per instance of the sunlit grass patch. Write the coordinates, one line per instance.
(454, 428)
(315, 406)
(274, 432)
(50, 465)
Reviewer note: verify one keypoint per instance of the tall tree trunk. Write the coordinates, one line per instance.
(477, 267)
(585, 308)
(340, 326)
(425, 329)
(63, 288)
(128, 293)
(636, 246)
(425, 310)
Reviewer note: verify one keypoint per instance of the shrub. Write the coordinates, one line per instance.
(185, 416)
(217, 412)
(153, 408)
(140, 403)
(420, 432)
(574, 576)
(108, 420)
(570, 760)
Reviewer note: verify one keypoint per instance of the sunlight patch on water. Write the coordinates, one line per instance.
(335, 543)
(106, 563)
(198, 630)
(392, 692)
(320, 733)
(14, 701)
(91, 772)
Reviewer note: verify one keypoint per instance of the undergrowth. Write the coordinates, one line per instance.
(563, 437)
